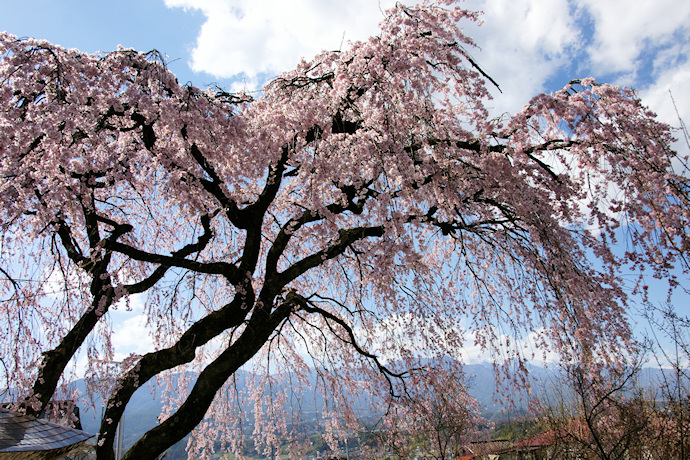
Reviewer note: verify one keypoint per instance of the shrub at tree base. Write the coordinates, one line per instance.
(362, 214)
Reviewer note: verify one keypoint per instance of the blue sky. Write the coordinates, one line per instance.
(527, 46)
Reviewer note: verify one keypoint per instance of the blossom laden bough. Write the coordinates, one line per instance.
(364, 193)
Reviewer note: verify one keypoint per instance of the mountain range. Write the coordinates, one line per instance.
(146, 404)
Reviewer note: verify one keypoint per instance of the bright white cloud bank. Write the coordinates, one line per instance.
(526, 45)
(267, 37)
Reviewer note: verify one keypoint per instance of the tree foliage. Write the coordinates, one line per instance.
(436, 416)
(613, 415)
(363, 212)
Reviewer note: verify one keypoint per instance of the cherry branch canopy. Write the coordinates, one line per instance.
(364, 208)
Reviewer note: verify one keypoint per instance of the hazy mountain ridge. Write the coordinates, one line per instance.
(146, 404)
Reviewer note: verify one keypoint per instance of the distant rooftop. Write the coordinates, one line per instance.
(23, 437)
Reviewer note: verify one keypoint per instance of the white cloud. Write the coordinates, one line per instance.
(670, 86)
(522, 44)
(624, 29)
(420, 338)
(525, 44)
(523, 41)
(131, 336)
(133, 303)
(526, 347)
(670, 82)
(258, 37)
(648, 45)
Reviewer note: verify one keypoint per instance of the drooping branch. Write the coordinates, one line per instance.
(351, 340)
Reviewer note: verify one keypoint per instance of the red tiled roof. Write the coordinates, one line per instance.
(543, 439)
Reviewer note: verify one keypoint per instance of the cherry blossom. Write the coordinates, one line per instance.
(313, 228)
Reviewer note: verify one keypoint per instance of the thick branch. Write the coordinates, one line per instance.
(228, 270)
(293, 225)
(70, 245)
(345, 239)
(214, 187)
(55, 360)
(183, 351)
(211, 379)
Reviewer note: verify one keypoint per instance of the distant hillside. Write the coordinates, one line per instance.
(142, 412)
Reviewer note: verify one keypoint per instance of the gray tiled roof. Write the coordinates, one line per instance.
(20, 433)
